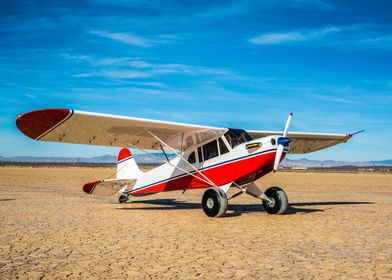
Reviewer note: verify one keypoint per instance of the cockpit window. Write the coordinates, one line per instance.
(237, 136)
(222, 147)
(210, 150)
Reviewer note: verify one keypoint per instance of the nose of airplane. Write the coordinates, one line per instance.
(284, 141)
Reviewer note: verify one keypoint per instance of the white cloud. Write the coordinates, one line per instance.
(147, 84)
(277, 38)
(31, 96)
(140, 64)
(126, 74)
(349, 37)
(186, 69)
(115, 74)
(376, 42)
(110, 61)
(336, 99)
(146, 69)
(130, 68)
(292, 36)
(126, 38)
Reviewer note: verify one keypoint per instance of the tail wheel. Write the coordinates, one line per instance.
(214, 202)
(123, 198)
(278, 203)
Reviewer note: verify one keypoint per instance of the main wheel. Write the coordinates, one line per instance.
(123, 198)
(214, 202)
(279, 201)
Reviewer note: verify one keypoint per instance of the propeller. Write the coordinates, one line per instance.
(282, 142)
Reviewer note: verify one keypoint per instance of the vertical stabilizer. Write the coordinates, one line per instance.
(126, 166)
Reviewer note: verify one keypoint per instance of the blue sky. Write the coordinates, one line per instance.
(243, 64)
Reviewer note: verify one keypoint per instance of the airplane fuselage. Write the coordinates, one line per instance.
(245, 162)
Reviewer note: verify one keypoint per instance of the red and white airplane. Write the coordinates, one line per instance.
(215, 158)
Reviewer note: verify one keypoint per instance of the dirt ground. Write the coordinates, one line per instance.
(339, 226)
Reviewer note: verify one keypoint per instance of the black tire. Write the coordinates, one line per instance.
(279, 201)
(123, 198)
(214, 202)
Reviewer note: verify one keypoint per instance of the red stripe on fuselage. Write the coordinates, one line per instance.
(220, 175)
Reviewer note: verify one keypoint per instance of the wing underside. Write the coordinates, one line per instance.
(69, 126)
(303, 142)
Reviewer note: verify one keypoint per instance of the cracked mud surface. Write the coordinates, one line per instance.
(339, 226)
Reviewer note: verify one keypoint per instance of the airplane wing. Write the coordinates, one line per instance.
(71, 126)
(303, 142)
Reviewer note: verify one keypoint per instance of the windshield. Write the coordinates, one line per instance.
(237, 136)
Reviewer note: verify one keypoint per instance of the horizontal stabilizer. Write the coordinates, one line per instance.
(108, 187)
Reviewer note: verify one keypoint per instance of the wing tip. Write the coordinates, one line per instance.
(37, 123)
(349, 136)
(89, 187)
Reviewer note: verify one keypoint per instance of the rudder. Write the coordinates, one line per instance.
(126, 166)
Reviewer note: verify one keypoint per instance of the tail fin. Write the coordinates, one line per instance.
(126, 166)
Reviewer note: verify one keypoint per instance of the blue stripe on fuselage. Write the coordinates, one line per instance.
(201, 169)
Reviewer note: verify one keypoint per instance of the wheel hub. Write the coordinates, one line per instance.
(271, 203)
(210, 203)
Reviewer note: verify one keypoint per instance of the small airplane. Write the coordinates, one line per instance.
(208, 157)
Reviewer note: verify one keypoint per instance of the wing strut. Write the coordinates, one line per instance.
(179, 168)
(194, 168)
(167, 159)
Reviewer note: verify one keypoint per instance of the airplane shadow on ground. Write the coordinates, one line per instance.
(236, 209)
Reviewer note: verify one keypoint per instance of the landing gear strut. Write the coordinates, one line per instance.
(274, 199)
(123, 198)
(214, 202)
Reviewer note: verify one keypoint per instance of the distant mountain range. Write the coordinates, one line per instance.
(159, 158)
(303, 162)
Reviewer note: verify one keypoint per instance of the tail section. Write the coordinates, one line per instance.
(108, 187)
(126, 166)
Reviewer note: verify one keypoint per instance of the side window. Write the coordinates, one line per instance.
(192, 158)
(210, 150)
(222, 147)
(200, 154)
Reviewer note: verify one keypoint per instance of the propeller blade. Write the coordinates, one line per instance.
(279, 152)
(282, 142)
(286, 128)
